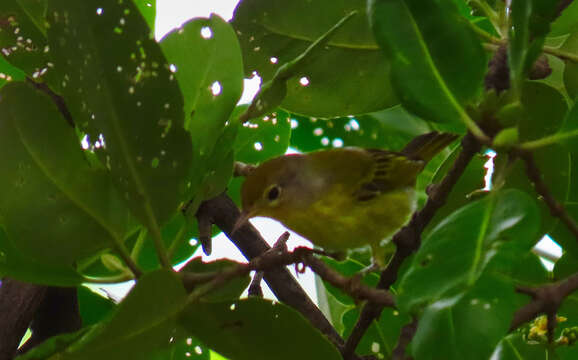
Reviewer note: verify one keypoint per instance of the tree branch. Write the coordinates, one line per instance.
(408, 239)
(407, 333)
(18, 304)
(556, 209)
(224, 213)
(545, 300)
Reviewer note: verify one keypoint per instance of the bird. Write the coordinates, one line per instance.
(342, 198)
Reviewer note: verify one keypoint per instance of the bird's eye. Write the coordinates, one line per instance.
(273, 193)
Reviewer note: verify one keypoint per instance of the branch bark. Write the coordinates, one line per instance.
(224, 213)
(18, 304)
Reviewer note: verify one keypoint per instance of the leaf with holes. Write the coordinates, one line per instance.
(9, 73)
(438, 63)
(48, 182)
(206, 59)
(474, 234)
(23, 35)
(236, 330)
(263, 138)
(389, 129)
(121, 92)
(274, 33)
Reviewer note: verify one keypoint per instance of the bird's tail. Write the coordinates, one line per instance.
(426, 146)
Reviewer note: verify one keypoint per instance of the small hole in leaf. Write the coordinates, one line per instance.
(206, 32)
(258, 146)
(318, 132)
(325, 141)
(173, 68)
(198, 350)
(193, 242)
(337, 143)
(294, 124)
(216, 88)
(273, 60)
(99, 11)
(304, 81)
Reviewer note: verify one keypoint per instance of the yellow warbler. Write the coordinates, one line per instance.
(341, 198)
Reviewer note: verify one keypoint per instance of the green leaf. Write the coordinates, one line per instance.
(274, 33)
(142, 324)
(545, 109)
(571, 68)
(463, 192)
(513, 347)
(474, 234)
(93, 307)
(231, 291)
(23, 35)
(554, 163)
(206, 59)
(148, 10)
(567, 22)
(48, 182)
(9, 73)
(466, 326)
(565, 266)
(438, 63)
(388, 129)
(263, 138)
(15, 264)
(383, 334)
(236, 330)
(53, 345)
(123, 95)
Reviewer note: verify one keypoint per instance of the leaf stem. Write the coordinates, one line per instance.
(136, 249)
(108, 279)
(548, 140)
(564, 55)
(177, 240)
(126, 257)
(157, 238)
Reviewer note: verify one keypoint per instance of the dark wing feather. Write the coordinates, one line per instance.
(392, 170)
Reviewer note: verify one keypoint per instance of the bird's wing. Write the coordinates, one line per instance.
(391, 171)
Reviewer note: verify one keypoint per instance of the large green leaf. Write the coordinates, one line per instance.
(544, 110)
(350, 77)
(93, 307)
(466, 326)
(256, 329)
(47, 182)
(473, 235)
(23, 35)
(15, 264)
(438, 63)
(388, 129)
(567, 22)
(206, 59)
(142, 325)
(122, 93)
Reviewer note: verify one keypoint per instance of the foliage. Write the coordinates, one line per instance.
(111, 141)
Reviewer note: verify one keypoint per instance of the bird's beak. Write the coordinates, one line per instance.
(241, 220)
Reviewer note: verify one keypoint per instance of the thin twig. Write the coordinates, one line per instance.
(408, 239)
(276, 258)
(405, 337)
(545, 300)
(556, 209)
(225, 213)
(255, 286)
